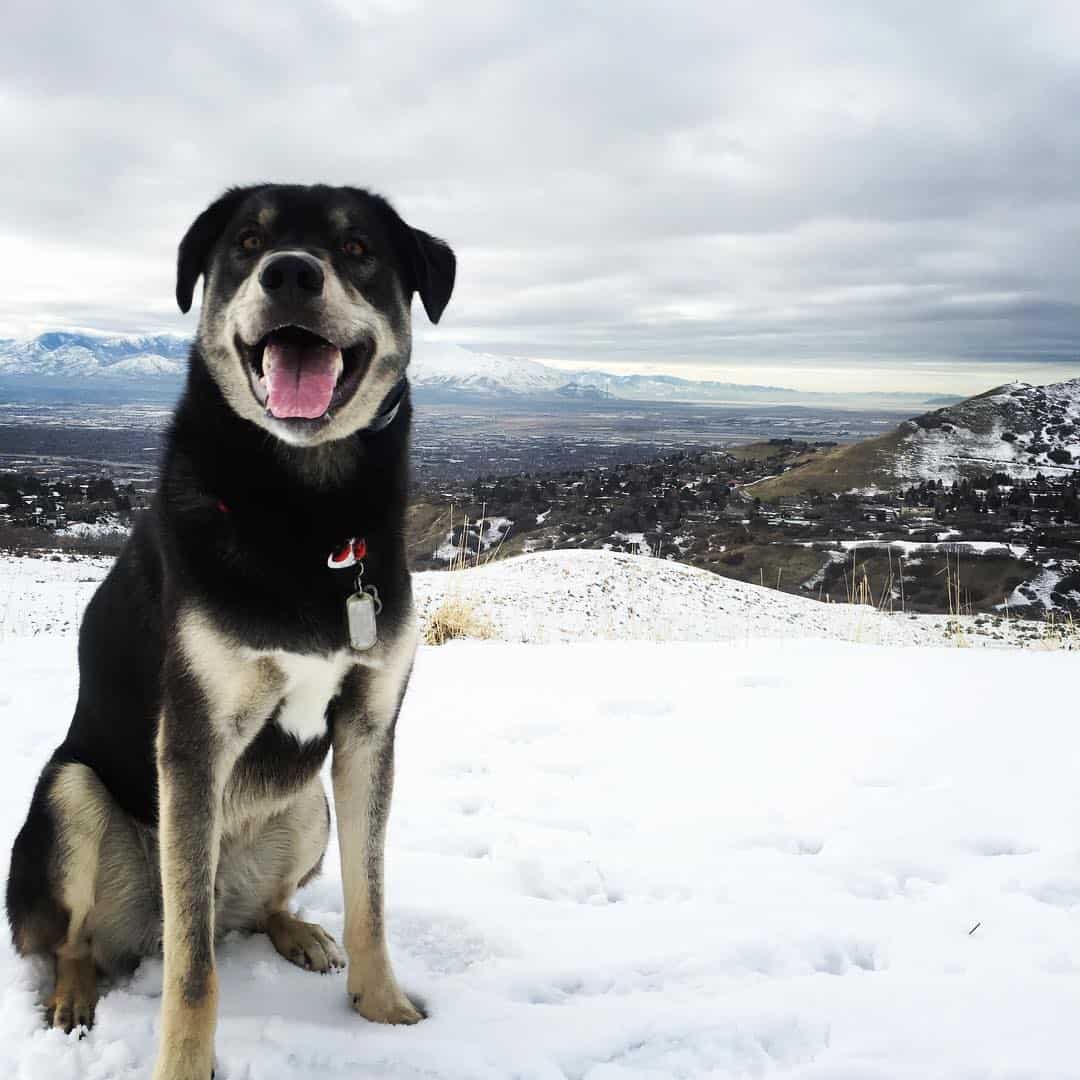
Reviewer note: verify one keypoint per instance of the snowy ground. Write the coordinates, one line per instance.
(619, 859)
(600, 595)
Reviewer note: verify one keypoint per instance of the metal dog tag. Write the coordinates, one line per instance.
(360, 609)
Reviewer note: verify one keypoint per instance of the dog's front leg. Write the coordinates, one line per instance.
(363, 772)
(189, 791)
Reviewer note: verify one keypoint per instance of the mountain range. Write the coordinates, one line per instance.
(130, 365)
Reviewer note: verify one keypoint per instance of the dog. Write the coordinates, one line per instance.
(259, 618)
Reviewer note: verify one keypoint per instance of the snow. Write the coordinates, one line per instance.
(599, 595)
(915, 547)
(620, 859)
(1041, 588)
(482, 534)
(108, 526)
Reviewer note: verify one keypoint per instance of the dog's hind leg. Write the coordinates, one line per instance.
(80, 890)
(78, 808)
(82, 809)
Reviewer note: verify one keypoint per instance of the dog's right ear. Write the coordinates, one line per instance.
(199, 241)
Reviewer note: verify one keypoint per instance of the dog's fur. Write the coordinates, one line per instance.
(215, 666)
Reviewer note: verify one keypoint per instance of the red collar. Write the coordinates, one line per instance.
(349, 554)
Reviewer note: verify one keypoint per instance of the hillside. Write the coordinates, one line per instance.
(617, 859)
(1017, 429)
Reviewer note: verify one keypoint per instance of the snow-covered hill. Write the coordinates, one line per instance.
(88, 355)
(621, 860)
(603, 595)
(1019, 429)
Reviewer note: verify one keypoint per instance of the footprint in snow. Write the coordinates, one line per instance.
(996, 846)
(762, 681)
(1060, 892)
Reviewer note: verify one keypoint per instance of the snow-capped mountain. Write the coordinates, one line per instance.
(441, 366)
(75, 355)
(453, 369)
(672, 388)
(439, 370)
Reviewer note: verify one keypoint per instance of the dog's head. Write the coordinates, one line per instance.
(305, 323)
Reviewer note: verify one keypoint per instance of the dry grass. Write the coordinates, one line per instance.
(1060, 632)
(456, 617)
(857, 465)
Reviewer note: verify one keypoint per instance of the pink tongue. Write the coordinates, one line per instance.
(300, 379)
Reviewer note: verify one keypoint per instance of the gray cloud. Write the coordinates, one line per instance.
(704, 184)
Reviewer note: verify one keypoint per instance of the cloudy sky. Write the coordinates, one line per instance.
(815, 194)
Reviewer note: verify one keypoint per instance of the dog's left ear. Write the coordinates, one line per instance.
(434, 267)
(199, 241)
(428, 264)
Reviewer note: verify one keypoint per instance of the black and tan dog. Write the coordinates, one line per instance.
(259, 615)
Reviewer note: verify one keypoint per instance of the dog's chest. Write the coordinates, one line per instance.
(310, 682)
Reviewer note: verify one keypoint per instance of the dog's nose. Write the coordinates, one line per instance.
(292, 272)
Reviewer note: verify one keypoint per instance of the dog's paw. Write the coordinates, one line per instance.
(164, 1072)
(182, 1070)
(304, 944)
(388, 1006)
(70, 1012)
(75, 997)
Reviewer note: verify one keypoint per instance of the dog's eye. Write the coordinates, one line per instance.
(353, 247)
(250, 240)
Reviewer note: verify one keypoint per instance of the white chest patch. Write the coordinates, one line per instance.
(310, 683)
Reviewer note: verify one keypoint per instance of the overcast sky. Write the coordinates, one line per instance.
(827, 194)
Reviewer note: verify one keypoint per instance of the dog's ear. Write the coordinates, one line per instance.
(199, 241)
(428, 264)
(434, 267)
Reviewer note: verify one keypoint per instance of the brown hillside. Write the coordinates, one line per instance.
(859, 465)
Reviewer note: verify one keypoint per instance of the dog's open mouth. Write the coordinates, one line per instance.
(299, 375)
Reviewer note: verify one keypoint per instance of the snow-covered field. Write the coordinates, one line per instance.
(779, 852)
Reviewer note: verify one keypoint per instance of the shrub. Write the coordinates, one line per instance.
(456, 617)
